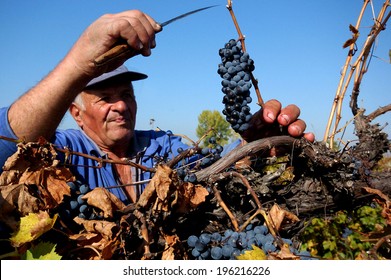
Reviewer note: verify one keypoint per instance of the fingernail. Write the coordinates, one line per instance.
(140, 45)
(298, 130)
(271, 116)
(286, 119)
(158, 27)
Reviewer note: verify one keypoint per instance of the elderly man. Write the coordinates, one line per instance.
(102, 102)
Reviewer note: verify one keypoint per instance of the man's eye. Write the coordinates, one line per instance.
(104, 98)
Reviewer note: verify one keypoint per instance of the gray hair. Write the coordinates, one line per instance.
(79, 101)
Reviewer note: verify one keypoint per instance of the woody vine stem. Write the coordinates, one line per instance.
(241, 39)
(357, 68)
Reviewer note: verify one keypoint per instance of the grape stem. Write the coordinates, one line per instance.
(260, 210)
(242, 39)
(221, 202)
(103, 161)
(144, 233)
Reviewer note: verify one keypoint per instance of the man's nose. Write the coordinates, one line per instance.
(120, 105)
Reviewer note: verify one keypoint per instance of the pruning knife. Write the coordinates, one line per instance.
(122, 49)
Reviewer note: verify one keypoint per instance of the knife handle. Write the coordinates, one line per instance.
(114, 53)
(118, 50)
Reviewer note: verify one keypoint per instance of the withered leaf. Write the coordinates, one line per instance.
(190, 196)
(353, 29)
(278, 215)
(284, 254)
(105, 228)
(172, 250)
(101, 237)
(31, 227)
(35, 164)
(384, 201)
(16, 201)
(158, 186)
(104, 200)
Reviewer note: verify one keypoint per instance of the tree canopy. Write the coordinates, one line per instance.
(214, 122)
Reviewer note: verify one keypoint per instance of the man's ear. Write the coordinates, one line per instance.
(76, 112)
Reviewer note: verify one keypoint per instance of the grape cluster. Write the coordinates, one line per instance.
(231, 244)
(75, 205)
(209, 155)
(235, 69)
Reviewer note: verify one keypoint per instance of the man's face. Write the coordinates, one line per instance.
(109, 115)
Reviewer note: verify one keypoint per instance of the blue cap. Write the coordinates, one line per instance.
(122, 72)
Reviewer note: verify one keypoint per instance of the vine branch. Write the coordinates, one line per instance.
(241, 39)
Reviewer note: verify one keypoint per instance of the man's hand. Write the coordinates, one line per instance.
(273, 120)
(133, 27)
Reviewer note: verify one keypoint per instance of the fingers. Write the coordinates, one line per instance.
(309, 136)
(273, 115)
(288, 115)
(138, 29)
(271, 109)
(297, 128)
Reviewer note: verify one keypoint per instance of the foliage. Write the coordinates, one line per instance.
(345, 235)
(31, 227)
(221, 129)
(255, 254)
(42, 251)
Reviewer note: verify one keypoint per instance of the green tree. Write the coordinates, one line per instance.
(214, 120)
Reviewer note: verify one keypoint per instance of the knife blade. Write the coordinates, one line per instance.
(124, 49)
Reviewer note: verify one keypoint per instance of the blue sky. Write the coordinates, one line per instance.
(296, 46)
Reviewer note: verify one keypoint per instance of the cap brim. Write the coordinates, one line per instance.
(119, 74)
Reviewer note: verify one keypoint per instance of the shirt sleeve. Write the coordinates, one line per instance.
(7, 147)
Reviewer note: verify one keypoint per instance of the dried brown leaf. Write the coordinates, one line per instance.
(160, 186)
(173, 248)
(190, 196)
(284, 254)
(278, 215)
(104, 200)
(385, 203)
(100, 236)
(105, 228)
(353, 29)
(16, 201)
(35, 164)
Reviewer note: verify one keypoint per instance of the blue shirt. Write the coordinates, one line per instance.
(147, 147)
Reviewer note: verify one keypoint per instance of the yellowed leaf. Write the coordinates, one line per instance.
(255, 254)
(31, 227)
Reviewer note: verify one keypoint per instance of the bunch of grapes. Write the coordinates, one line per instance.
(235, 69)
(231, 244)
(75, 205)
(209, 155)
